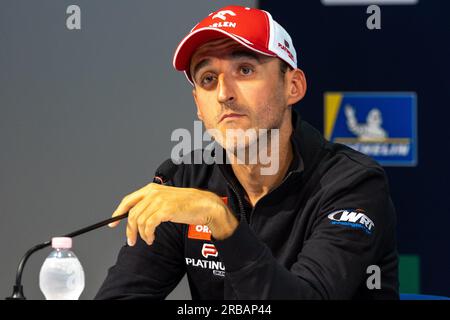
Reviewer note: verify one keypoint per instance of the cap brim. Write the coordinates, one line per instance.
(187, 47)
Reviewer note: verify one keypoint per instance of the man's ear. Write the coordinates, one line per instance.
(199, 114)
(296, 86)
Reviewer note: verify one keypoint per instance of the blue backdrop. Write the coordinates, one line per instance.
(410, 53)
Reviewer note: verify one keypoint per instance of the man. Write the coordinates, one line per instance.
(310, 230)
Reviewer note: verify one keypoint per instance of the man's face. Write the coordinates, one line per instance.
(233, 80)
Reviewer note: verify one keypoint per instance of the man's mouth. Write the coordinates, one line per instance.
(231, 116)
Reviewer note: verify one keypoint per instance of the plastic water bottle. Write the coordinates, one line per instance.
(61, 276)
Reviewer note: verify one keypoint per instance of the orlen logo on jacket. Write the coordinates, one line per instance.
(352, 218)
(209, 250)
(199, 232)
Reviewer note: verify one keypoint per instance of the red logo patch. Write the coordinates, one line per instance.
(225, 200)
(200, 232)
(209, 250)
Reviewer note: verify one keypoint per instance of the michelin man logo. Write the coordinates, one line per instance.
(369, 131)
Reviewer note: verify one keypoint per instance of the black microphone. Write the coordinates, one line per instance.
(163, 174)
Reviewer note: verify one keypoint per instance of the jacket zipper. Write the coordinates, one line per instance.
(241, 205)
(283, 181)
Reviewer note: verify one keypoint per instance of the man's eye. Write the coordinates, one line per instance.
(246, 71)
(207, 79)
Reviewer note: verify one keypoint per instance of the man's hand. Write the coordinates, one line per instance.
(155, 203)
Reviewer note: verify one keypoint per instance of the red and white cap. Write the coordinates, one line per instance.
(252, 28)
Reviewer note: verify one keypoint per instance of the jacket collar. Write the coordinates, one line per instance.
(297, 164)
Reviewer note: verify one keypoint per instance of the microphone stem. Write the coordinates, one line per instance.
(18, 290)
(96, 226)
(25, 258)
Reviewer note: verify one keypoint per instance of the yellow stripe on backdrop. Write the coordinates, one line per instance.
(331, 109)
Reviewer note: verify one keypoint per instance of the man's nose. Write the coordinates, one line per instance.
(225, 92)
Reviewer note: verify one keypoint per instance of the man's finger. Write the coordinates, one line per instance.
(152, 223)
(125, 205)
(131, 234)
(141, 226)
(113, 224)
(132, 228)
(152, 212)
(136, 214)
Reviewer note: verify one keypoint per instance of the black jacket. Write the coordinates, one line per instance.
(312, 237)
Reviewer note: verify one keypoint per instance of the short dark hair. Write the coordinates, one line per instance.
(284, 66)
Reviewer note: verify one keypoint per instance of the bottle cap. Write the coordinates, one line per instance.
(61, 242)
